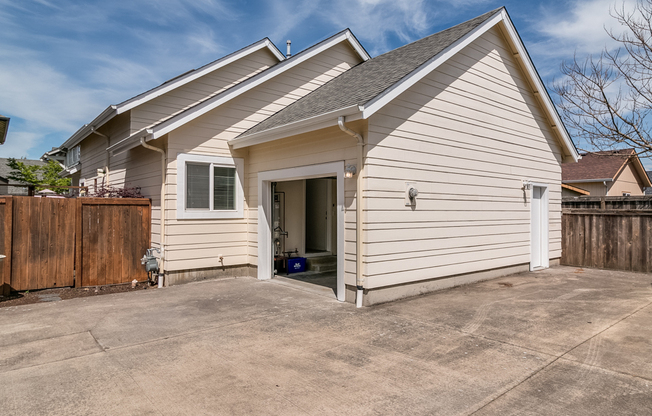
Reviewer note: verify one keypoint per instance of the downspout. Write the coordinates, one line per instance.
(359, 282)
(108, 154)
(163, 166)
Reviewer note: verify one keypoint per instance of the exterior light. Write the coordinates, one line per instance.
(527, 185)
(349, 171)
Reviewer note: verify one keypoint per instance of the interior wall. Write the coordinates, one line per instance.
(317, 214)
(294, 214)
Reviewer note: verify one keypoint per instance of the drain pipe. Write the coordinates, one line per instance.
(163, 163)
(108, 155)
(358, 213)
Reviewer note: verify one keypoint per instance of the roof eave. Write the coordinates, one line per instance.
(307, 125)
(200, 109)
(501, 17)
(87, 129)
(130, 142)
(588, 180)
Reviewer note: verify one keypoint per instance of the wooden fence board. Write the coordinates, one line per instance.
(54, 242)
(609, 239)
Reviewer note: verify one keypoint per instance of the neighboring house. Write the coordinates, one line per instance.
(5, 170)
(648, 190)
(255, 145)
(606, 173)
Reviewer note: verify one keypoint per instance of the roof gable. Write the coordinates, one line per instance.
(165, 126)
(602, 166)
(169, 85)
(372, 84)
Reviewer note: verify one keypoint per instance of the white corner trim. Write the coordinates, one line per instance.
(237, 163)
(418, 74)
(299, 127)
(208, 105)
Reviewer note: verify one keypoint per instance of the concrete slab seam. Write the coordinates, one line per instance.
(560, 358)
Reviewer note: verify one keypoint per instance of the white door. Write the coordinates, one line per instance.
(539, 228)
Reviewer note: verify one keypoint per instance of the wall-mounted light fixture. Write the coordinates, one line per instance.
(411, 193)
(350, 171)
(527, 185)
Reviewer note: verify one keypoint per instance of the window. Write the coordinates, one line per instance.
(72, 156)
(209, 187)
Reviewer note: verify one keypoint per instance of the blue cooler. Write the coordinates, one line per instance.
(296, 265)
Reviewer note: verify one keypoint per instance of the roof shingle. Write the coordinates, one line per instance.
(369, 79)
(596, 165)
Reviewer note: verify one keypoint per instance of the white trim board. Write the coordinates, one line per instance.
(378, 102)
(264, 182)
(168, 86)
(163, 128)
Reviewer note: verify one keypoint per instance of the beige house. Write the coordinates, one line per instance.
(432, 165)
(606, 173)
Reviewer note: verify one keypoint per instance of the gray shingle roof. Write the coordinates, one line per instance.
(369, 79)
(5, 170)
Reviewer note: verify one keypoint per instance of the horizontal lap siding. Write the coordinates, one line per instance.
(197, 243)
(467, 134)
(626, 182)
(200, 89)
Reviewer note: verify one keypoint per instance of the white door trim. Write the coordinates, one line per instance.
(543, 223)
(265, 179)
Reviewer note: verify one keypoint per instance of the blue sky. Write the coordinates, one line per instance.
(64, 61)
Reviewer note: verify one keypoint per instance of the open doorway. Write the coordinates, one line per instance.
(304, 221)
(301, 225)
(539, 233)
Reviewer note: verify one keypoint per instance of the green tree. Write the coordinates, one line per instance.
(46, 176)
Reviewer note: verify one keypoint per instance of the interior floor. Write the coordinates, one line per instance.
(326, 279)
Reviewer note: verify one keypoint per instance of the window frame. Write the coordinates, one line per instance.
(213, 161)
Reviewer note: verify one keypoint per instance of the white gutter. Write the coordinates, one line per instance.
(162, 236)
(108, 154)
(359, 281)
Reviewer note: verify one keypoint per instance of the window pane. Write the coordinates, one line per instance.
(223, 188)
(197, 186)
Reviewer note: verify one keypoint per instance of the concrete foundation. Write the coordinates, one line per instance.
(391, 293)
(177, 277)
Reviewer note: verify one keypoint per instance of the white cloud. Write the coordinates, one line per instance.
(583, 28)
(19, 144)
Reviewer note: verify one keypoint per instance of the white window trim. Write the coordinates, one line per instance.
(182, 213)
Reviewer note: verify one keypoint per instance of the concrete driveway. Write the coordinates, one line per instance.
(558, 341)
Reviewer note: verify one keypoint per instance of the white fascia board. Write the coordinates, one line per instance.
(357, 45)
(165, 88)
(130, 142)
(298, 127)
(589, 180)
(208, 105)
(541, 89)
(87, 129)
(418, 74)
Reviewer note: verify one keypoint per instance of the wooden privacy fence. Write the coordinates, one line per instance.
(607, 232)
(55, 242)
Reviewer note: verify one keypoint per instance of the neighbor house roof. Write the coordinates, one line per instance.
(5, 170)
(602, 166)
(367, 87)
(116, 109)
(575, 189)
(163, 127)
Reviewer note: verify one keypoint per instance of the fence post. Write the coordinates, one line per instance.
(8, 230)
(78, 242)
